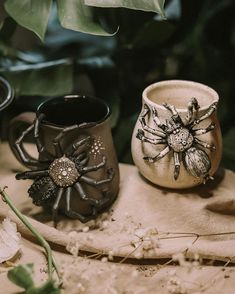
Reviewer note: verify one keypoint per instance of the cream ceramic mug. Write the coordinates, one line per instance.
(177, 141)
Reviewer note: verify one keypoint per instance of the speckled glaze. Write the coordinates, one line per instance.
(178, 93)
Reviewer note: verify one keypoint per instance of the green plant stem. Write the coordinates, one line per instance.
(42, 241)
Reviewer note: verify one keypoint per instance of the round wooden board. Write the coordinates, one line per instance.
(146, 221)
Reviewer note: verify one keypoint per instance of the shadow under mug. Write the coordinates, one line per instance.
(177, 158)
(76, 153)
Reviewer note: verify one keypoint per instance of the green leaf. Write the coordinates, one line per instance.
(145, 5)
(31, 14)
(47, 288)
(52, 78)
(22, 276)
(75, 15)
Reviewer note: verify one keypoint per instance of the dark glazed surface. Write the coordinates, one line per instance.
(6, 93)
(91, 116)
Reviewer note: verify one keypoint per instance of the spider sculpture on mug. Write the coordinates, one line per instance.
(180, 137)
(62, 173)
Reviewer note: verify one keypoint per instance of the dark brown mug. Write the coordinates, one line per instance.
(6, 93)
(76, 171)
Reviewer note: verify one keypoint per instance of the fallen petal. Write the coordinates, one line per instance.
(9, 240)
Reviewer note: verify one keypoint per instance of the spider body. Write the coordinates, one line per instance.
(180, 137)
(64, 174)
(42, 190)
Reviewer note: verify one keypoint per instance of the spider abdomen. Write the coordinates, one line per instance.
(42, 190)
(180, 140)
(63, 172)
(197, 162)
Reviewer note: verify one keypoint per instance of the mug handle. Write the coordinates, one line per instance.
(17, 126)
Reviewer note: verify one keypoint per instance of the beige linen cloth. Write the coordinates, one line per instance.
(146, 221)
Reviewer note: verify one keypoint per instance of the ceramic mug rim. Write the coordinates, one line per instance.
(77, 97)
(188, 83)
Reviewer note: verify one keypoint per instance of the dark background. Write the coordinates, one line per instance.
(196, 42)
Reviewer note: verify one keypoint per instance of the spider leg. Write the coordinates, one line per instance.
(177, 165)
(151, 130)
(40, 146)
(193, 107)
(32, 174)
(147, 128)
(81, 161)
(73, 214)
(56, 205)
(96, 183)
(209, 112)
(141, 136)
(204, 144)
(146, 110)
(79, 143)
(56, 142)
(157, 120)
(68, 197)
(159, 156)
(84, 161)
(83, 195)
(82, 157)
(175, 115)
(87, 169)
(199, 132)
(24, 156)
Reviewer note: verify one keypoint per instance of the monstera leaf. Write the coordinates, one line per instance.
(145, 5)
(73, 15)
(77, 16)
(31, 14)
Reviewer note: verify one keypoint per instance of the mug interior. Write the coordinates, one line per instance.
(74, 109)
(179, 93)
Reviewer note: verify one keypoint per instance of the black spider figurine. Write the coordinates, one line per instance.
(60, 175)
(181, 138)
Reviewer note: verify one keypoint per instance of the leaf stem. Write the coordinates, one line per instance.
(34, 231)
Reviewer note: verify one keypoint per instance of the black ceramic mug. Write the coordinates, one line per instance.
(6, 93)
(6, 98)
(77, 169)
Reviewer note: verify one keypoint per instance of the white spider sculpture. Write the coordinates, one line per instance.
(180, 137)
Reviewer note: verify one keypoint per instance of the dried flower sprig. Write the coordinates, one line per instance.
(50, 259)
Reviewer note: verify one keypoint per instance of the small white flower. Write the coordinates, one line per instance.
(85, 229)
(138, 255)
(104, 259)
(80, 288)
(110, 255)
(105, 224)
(73, 247)
(174, 286)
